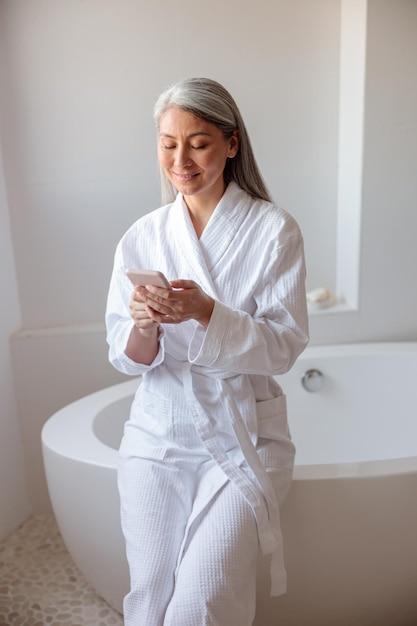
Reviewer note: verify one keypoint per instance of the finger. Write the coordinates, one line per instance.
(163, 319)
(136, 309)
(139, 294)
(143, 320)
(157, 312)
(183, 284)
(159, 303)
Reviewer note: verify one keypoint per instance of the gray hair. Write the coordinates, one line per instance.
(210, 101)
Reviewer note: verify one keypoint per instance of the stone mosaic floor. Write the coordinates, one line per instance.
(41, 586)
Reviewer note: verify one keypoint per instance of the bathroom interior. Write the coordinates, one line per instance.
(328, 90)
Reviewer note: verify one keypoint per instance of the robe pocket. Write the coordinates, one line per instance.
(272, 418)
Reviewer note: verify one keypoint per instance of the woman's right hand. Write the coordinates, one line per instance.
(140, 315)
(142, 345)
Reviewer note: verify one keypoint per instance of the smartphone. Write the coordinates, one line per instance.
(148, 277)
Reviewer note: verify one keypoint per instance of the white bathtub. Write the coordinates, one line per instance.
(350, 521)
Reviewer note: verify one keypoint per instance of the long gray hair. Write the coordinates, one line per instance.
(210, 101)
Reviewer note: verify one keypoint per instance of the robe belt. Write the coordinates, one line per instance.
(259, 493)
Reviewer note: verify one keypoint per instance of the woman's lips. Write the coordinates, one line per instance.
(185, 177)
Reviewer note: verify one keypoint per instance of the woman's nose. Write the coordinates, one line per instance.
(182, 157)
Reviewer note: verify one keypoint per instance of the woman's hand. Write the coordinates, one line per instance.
(142, 345)
(184, 302)
(140, 315)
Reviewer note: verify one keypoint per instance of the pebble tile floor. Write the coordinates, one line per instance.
(40, 585)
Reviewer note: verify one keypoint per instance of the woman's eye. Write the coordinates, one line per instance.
(199, 147)
(168, 147)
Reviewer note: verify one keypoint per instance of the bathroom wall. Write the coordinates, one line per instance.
(79, 159)
(387, 286)
(14, 500)
(79, 141)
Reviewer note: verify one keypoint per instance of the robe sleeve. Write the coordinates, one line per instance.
(269, 341)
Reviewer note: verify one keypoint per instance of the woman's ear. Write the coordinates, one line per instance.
(233, 144)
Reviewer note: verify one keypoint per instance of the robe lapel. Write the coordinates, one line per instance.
(203, 255)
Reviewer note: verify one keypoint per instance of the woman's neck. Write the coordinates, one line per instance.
(201, 209)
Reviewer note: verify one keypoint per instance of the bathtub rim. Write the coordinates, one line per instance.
(90, 450)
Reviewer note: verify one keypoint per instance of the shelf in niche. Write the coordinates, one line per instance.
(338, 308)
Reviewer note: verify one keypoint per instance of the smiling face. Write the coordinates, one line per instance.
(193, 155)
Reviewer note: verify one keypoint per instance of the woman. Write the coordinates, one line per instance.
(206, 458)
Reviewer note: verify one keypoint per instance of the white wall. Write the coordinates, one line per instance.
(14, 498)
(79, 141)
(389, 251)
(388, 254)
(14, 501)
(79, 158)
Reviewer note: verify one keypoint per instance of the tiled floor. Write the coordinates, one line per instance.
(41, 586)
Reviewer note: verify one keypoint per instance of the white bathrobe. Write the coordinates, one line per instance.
(210, 392)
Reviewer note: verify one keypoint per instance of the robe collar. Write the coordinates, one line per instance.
(204, 254)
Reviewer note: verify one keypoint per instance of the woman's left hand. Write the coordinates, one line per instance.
(184, 302)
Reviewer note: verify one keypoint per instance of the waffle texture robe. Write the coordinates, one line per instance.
(206, 457)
